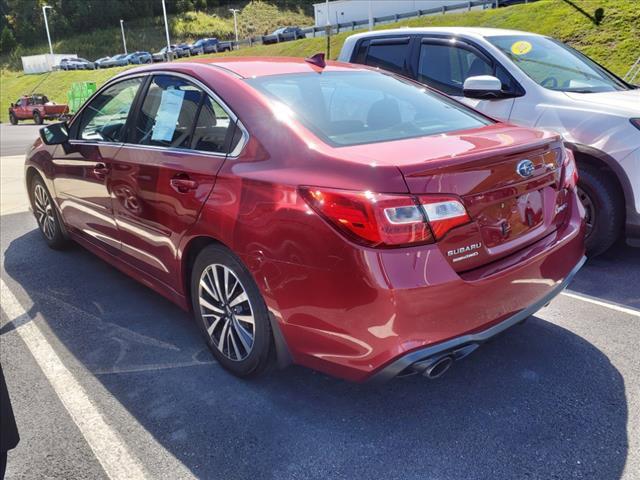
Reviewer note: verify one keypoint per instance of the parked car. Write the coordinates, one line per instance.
(37, 107)
(163, 54)
(204, 45)
(139, 58)
(67, 64)
(533, 80)
(225, 46)
(195, 50)
(120, 60)
(183, 49)
(509, 3)
(355, 222)
(103, 62)
(82, 64)
(284, 34)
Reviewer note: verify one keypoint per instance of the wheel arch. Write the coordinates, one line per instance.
(30, 174)
(191, 250)
(597, 158)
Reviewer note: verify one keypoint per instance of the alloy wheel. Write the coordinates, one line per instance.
(227, 312)
(43, 210)
(589, 208)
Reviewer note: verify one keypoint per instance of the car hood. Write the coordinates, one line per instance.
(623, 101)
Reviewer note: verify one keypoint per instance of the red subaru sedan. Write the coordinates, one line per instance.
(330, 215)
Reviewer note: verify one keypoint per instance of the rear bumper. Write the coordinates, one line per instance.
(405, 362)
(360, 313)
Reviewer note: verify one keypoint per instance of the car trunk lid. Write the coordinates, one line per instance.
(511, 193)
(507, 177)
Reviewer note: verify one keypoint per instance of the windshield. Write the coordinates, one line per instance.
(352, 108)
(555, 66)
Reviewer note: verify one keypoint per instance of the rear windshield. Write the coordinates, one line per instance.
(351, 108)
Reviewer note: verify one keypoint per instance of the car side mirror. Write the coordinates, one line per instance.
(484, 87)
(55, 134)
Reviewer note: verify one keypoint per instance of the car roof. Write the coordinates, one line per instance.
(461, 31)
(262, 66)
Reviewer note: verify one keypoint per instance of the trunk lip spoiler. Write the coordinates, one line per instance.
(485, 157)
(400, 364)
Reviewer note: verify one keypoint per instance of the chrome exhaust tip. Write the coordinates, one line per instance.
(433, 368)
(438, 368)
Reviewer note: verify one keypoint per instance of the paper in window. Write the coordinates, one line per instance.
(167, 115)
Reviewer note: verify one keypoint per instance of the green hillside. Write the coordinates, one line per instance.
(613, 43)
(148, 34)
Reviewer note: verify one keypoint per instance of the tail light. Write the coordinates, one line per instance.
(443, 214)
(383, 220)
(569, 170)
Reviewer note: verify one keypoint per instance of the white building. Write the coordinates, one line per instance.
(43, 63)
(343, 11)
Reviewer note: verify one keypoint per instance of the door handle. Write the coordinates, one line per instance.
(183, 184)
(100, 170)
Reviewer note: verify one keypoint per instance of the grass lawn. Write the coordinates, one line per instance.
(614, 42)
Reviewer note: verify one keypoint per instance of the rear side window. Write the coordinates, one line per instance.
(360, 55)
(389, 54)
(105, 117)
(168, 113)
(213, 128)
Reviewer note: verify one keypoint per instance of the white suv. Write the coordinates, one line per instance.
(532, 80)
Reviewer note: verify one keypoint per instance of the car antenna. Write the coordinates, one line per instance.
(317, 60)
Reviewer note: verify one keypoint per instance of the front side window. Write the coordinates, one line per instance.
(351, 108)
(446, 67)
(388, 54)
(105, 117)
(555, 66)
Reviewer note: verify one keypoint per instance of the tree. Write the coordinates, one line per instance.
(184, 6)
(7, 40)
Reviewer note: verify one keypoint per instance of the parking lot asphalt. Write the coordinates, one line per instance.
(15, 139)
(556, 397)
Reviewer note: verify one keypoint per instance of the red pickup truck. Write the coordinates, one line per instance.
(36, 107)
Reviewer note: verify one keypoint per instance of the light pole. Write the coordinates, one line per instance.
(166, 29)
(235, 22)
(328, 33)
(124, 40)
(46, 25)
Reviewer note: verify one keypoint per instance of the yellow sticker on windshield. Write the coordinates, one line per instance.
(521, 47)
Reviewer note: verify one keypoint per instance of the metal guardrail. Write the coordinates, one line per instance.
(350, 26)
(633, 73)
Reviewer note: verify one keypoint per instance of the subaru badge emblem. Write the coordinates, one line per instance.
(525, 168)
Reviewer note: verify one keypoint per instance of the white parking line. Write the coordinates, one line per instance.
(107, 446)
(595, 301)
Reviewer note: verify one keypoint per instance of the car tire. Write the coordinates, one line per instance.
(604, 208)
(37, 118)
(47, 215)
(242, 348)
(13, 119)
